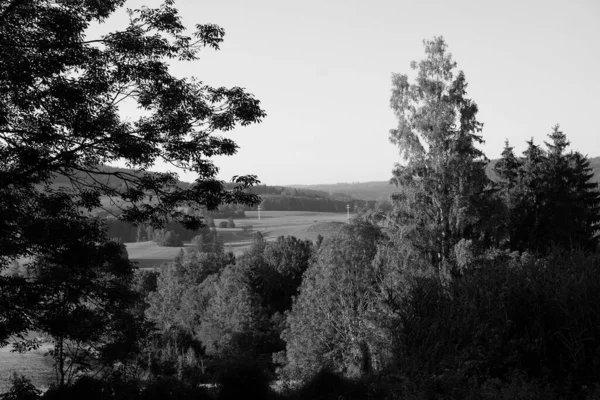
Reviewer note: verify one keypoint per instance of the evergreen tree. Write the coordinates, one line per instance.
(586, 198)
(507, 170)
(442, 183)
(549, 197)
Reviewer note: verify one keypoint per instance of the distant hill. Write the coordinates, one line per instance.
(274, 198)
(112, 181)
(381, 190)
(368, 191)
(282, 198)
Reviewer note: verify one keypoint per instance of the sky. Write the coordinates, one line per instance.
(322, 71)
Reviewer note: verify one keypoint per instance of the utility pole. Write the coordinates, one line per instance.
(348, 212)
(259, 213)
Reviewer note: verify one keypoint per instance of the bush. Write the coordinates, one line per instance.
(230, 223)
(172, 388)
(541, 317)
(223, 224)
(243, 379)
(167, 238)
(87, 388)
(114, 388)
(327, 385)
(21, 389)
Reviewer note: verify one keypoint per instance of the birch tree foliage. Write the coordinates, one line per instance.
(442, 177)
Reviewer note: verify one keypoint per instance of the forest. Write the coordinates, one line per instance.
(475, 289)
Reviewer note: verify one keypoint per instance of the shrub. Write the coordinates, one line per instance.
(327, 385)
(243, 379)
(541, 317)
(167, 238)
(21, 389)
(172, 388)
(223, 224)
(87, 388)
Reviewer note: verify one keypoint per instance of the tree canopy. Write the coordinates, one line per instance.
(444, 172)
(61, 95)
(549, 197)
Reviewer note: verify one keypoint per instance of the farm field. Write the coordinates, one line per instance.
(272, 224)
(34, 364)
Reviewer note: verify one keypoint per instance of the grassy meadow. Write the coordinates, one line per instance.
(35, 365)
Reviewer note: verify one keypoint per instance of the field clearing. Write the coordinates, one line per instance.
(33, 364)
(150, 255)
(301, 224)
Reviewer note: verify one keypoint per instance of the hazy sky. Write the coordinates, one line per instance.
(322, 72)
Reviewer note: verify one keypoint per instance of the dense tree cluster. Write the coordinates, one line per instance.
(282, 203)
(233, 308)
(549, 196)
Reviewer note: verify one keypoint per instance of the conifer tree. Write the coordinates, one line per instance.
(549, 197)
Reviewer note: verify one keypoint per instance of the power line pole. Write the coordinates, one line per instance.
(259, 213)
(348, 212)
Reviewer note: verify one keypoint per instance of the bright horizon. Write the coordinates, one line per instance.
(322, 72)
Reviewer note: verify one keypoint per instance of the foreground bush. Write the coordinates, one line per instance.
(244, 379)
(541, 317)
(87, 388)
(21, 389)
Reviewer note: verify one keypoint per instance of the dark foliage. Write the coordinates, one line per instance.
(332, 321)
(114, 388)
(59, 100)
(550, 198)
(327, 385)
(244, 379)
(21, 389)
(540, 317)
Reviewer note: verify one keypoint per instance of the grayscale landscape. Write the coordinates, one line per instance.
(288, 201)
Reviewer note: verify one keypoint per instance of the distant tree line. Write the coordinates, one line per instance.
(226, 211)
(127, 232)
(288, 203)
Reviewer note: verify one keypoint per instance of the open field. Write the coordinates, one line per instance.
(34, 364)
(272, 224)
